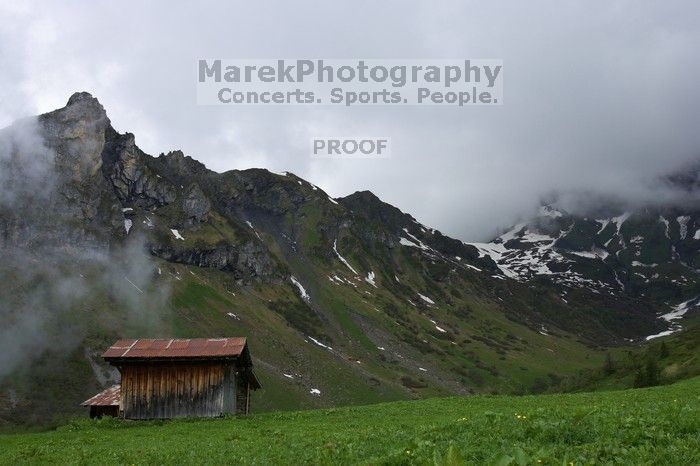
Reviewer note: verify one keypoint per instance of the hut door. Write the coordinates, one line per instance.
(229, 390)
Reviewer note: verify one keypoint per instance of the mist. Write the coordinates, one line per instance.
(55, 282)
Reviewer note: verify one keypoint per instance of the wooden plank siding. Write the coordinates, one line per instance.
(157, 390)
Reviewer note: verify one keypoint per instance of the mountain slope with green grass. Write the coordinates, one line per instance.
(644, 426)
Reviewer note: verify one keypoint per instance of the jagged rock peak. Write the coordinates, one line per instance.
(85, 100)
(84, 107)
(81, 97)
(182, 163)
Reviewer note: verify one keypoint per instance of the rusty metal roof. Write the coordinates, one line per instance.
(109, 397)
(175, 348)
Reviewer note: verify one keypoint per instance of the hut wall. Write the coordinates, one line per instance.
(162, 390)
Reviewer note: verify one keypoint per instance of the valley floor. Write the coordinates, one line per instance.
(645, 426)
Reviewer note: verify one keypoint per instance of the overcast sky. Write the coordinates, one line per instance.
(598, 95)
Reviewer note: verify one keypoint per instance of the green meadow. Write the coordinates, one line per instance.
(659, 425)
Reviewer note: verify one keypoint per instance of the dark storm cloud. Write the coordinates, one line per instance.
(599, 96)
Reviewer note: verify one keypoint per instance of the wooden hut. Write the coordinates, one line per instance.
(169, 378)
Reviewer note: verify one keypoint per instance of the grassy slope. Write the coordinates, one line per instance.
(646, 426)
(202, 309)
(671, 358)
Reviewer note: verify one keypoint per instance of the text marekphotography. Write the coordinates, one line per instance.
(455, 82)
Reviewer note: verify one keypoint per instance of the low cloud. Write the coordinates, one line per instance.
(52, 286)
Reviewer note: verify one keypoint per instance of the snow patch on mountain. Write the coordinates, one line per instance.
(531, 237)
(247, 222)
(177, 234)
(519, 262)
(641, 264)
(525, 251)
(619, 220)
(677, 312)
(663, 220)
(683, 224)
(404, 242)
(342, 259)
(665, 333)
(586, 254)
(603, 223)
(639, 239)
(302, 291)
(370, 279)
(414, 242)
(594, 253)
(318, 343)
(680, 310)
